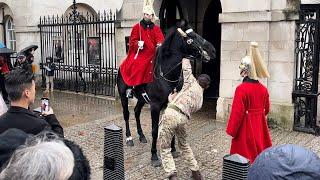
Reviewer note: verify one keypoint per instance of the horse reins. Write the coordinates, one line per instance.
(162, 75)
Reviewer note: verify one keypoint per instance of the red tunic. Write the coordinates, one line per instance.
(4, 69)
(247, 123)
(140, 70)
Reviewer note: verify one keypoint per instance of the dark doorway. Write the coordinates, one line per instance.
(212, 33)
(170, 13)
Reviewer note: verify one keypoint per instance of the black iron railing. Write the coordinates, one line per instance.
(305, 93)
(82, 47)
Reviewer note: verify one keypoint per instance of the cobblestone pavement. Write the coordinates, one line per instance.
(207, 138)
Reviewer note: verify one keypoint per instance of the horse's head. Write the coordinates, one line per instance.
(196, 46)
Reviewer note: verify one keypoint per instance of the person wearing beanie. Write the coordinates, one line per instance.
(248, 118)
(137, 68)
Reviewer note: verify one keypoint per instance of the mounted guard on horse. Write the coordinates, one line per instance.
(160, 75)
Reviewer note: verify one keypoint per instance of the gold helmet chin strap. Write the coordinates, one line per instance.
(183, 34)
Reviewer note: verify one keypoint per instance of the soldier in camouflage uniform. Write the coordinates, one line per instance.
(175, 117)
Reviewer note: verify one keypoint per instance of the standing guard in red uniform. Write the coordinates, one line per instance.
(248, 123)
(137, 68)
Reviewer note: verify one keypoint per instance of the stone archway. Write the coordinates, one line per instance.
(212, 33)
(82, 9)
(204, 17)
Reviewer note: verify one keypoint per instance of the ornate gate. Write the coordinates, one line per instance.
(82, 46)
(305, 93)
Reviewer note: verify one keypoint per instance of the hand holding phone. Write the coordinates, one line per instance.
(46, 113)
(44, 105)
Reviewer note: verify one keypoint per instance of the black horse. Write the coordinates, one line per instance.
(181, 42)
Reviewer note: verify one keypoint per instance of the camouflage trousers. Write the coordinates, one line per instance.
(173, 123)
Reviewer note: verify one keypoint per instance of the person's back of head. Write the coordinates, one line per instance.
(19, 84)
(288, 162)
(204, 80)
(43, 157)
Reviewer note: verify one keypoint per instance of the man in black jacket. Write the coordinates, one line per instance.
(20, 86)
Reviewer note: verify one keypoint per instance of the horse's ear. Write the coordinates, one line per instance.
(182, 23)
(181, 32)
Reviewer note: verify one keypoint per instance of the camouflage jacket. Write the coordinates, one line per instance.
(190, 98)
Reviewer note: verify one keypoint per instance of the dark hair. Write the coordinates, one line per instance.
(16, 81)
(204, 80)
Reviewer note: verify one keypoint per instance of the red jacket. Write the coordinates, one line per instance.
(4, 69)
(139, 71)
(247, 123)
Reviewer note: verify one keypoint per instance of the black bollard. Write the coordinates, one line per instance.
(113, 164)
(235, 167)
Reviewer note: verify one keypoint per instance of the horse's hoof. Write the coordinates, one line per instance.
(175, 154)
(130, 143)
(143, 139)
(156, 163)
(154, 157)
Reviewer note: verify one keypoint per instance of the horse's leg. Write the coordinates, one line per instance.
(122, 87)
(137, 112)
(155, 113)
(125, 109)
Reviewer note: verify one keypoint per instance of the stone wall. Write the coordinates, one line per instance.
(264, 22)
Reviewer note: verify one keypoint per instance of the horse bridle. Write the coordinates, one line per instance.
(162, 75)
(190, 42)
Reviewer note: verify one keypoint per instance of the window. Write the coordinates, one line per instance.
(10, 34)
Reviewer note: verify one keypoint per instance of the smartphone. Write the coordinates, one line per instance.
(44, 105)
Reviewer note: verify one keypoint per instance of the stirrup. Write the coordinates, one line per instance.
(129, 93)
(146, 97)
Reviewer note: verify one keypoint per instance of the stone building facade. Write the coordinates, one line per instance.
(228, 24)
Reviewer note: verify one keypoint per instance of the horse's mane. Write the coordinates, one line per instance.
(166, 45)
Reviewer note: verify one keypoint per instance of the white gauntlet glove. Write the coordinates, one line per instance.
(140, 44)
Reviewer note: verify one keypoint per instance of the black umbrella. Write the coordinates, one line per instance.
(28, 48)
